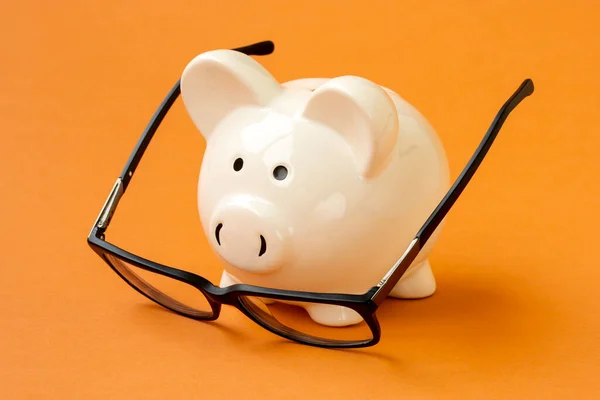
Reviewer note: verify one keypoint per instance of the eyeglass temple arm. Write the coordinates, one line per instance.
(256, 49)
(387, 283)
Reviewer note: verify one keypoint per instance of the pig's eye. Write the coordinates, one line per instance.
(280, 172)
(238, 164)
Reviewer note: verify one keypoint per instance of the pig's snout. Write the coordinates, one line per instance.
(249, 234)
(263, 242)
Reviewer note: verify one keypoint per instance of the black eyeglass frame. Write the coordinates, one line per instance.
(365, 304)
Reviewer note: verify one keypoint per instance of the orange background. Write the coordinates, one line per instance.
(517, 310)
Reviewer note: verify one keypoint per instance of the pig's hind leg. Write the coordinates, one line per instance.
(417, 284)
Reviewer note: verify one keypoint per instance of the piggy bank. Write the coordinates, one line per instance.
(314, 184)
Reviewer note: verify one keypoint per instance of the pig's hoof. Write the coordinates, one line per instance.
(418, 284)
(329, 315)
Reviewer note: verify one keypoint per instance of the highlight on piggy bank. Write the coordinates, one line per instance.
(314, 184)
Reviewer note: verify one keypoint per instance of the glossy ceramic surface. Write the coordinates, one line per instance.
(314, 184)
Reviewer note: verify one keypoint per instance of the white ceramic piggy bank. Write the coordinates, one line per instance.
(314, 184)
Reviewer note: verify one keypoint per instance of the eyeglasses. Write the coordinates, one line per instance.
(273, 309)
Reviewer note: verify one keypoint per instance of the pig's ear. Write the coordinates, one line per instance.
(363, 113)
(216, 82)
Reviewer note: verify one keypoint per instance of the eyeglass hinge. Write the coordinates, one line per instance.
(413, 248)
(110, 205)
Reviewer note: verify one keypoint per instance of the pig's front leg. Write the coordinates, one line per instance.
(330, 315)
(227, 280)
(418, 284)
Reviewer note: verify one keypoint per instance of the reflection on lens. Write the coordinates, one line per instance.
(167, 291)
(297, 320)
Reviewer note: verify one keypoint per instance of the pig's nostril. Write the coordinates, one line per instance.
(263, 246)
(217, 231)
